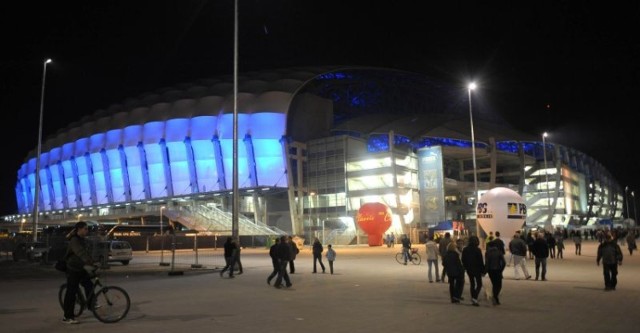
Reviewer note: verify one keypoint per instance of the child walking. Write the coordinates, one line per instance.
(331, 256)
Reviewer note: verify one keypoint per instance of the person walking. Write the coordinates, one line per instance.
(76, 257)
(611, 255)
(473, 264)
(518, 249)
(494, 264)
(406, 248)
(455, 272)
(294, 253)
(442, 248)
(530, 239)
(560, 247)
(541, 253)
(551, 243)
(577, 241)
(331, 257)
(432, 259)
(283, 253)
(317, 254)
(274, 260)
(631, 241)
(499, 243)
(229, 256)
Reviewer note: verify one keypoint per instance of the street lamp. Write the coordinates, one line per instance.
(36, 193)
(547, 224)
(472, 86)
(162, 263)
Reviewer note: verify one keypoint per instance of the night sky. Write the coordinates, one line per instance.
(565, 67)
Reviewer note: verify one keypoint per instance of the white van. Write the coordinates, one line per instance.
(115, 250)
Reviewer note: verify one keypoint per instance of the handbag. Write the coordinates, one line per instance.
(61, 265)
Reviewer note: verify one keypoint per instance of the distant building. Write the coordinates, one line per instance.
(314, 144)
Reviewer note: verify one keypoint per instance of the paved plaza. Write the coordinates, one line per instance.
(369, 292)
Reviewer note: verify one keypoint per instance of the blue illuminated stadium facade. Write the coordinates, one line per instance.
(306, 138)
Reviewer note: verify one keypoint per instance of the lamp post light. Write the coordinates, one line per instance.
(472, 86)
(36, 192)
(547, 224)
(162, 263)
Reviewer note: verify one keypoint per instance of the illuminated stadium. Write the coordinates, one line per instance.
(314, 144)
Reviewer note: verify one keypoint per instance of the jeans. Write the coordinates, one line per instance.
(433, 263)
(276, 269)
(475, 282)
(282, 274)
(496, 283)
(522, 262)
(456, 286)
(317, 257)
(74, 280)
(610, 272)
(541, 262)
(406, 255)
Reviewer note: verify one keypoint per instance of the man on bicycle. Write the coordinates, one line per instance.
(406, 248)
(76, 257)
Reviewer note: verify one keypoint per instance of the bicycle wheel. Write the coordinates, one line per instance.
(111, 304)
(415, 259)
(400, 258)
(80, 302)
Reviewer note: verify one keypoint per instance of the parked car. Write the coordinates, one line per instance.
(31, 251)
(113, 251)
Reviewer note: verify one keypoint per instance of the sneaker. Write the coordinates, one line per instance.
(528, 277)
(268, 282)
(474, 302)
(70, 321)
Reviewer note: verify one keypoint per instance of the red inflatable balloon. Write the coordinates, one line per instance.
(374, 218)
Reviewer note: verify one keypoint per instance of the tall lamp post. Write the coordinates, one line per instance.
(162, 263)
(626, 199)
(472, 86)
(635, 212)
(547, 223)
(36, 192)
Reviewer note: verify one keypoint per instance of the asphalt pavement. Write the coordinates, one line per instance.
(369, 292)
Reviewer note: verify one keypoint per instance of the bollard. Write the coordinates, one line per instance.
(195, 247)
(173, 257)
(162, 263)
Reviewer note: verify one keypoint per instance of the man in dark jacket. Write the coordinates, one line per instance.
(495, 263)
(273, 253)
(611, 254)
(229, 256)
(443, 244)
(541, 253)
(473, 264)
(76, 257)
(283, 253)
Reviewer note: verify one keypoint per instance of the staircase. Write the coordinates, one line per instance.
(213, 220)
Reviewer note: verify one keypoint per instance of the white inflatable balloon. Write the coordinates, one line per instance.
(501, 209)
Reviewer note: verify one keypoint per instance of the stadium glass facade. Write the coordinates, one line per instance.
(314, 144)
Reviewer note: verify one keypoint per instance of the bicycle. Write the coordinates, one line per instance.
(414, 257)
(109, 304)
